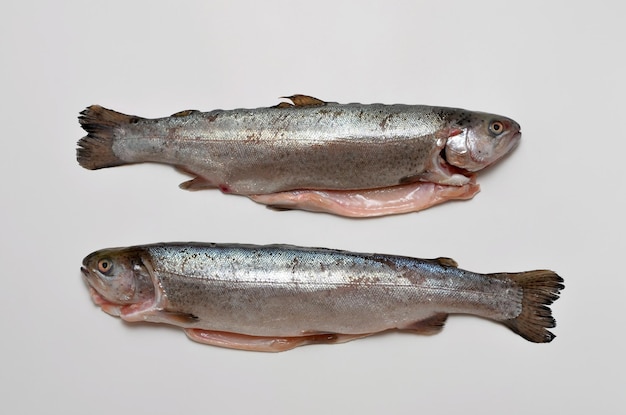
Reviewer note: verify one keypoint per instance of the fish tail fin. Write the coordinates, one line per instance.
(540, 289)
(95, 150)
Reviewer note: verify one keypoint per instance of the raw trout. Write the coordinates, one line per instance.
(353, 159)
(277, 297)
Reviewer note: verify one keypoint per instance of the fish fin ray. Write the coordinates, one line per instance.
(300, 100)
(178, 318)
(265, 343)
(428, 326)
(410, 179)
(540, 289)
(184, 113)
(197, 183)
(283, 105)
(447, 262)
(95, 150)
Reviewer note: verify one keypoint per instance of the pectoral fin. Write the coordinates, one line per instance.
(176, 318)
(197, 183)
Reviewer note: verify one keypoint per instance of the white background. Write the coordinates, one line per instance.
(557, 202)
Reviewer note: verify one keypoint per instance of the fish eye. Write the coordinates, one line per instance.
(496, 127)
(105, 265)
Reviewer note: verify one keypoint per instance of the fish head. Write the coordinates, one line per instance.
(480, 139)
(118, 277)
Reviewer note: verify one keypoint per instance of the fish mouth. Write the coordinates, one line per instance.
(516, 138)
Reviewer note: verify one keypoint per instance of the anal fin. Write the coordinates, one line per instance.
(431, 325)
(197, 183)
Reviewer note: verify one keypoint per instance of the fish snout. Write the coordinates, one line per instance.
(87, 277)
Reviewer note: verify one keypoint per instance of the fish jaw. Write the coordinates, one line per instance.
(411, 197)
(507, 146)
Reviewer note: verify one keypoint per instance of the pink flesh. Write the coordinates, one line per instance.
(128, 312)
(265, 344)
(106, 306)
(411, 197)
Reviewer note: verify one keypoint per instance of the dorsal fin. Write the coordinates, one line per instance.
(301, 101)
(283, 105)
(447, 262)
(183, 113)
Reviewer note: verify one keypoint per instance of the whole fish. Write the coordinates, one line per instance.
(347, 159)
(276, 297)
